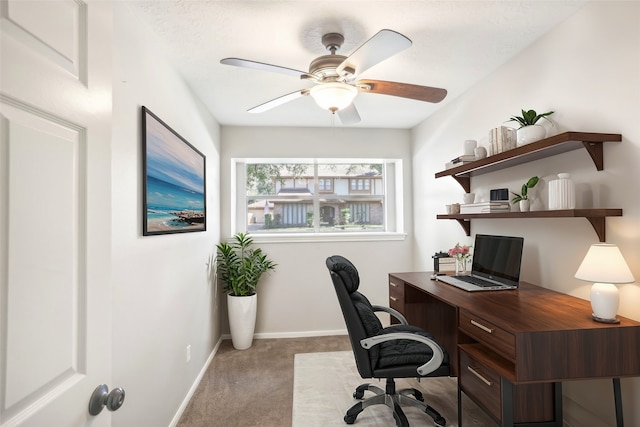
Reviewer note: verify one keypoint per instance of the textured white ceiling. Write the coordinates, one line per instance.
(455, 44)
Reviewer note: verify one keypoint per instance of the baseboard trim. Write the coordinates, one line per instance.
(194, 386)
(267, 335)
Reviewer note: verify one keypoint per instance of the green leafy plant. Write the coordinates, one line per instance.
(525, 189)
(240, 266)
(530, 117)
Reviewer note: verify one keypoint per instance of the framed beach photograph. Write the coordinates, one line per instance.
(174, 190)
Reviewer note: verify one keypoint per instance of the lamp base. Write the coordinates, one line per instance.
(601, 320)
(604, 302)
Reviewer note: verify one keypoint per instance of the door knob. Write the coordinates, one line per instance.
(102, 397)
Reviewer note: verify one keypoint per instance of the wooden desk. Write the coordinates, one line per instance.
(511, 350)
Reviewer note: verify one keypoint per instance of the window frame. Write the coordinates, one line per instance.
(324, 188)
(393, 201)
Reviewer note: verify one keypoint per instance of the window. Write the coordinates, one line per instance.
(361, 212)
(324, 185)
(317, 197)
(361, 184)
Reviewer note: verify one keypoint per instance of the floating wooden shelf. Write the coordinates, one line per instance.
(595, 216)
(557, 144)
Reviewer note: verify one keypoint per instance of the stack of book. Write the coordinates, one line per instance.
(485, 207)
(460, 160)
(446, 264)
(502, 139)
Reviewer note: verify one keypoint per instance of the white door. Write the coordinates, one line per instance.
(55, 220)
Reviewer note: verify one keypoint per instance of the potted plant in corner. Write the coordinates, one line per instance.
(523, 198)
(239, 265)
(529, 131)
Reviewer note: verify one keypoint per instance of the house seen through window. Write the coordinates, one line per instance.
(314, 196)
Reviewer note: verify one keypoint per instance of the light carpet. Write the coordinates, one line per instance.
(323, 386)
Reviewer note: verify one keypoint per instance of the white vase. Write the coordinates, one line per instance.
(469, 147)
(562, 193)
(531, 133)
(242, 319)
(480, 153)
(524, 205)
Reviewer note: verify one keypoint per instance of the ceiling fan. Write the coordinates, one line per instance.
(336, 76)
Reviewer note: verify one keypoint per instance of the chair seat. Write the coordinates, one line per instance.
(405, 352)
(409, 371)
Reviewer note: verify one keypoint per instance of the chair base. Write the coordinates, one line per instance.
(393, 399)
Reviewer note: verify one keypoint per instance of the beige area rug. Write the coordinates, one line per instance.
(323, 386)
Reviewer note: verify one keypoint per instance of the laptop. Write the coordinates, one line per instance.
(496, 265)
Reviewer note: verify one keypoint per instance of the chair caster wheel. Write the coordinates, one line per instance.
(440, 421)
(349, 420)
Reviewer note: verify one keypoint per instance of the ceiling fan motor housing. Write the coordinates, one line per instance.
(324, 67)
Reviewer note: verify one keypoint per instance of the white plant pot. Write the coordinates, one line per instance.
(524, 205)
(242, 319)
(528, 134)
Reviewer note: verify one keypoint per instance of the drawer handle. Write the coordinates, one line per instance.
(393, 299)
(480, 377)
(393, 284)
(481, 326)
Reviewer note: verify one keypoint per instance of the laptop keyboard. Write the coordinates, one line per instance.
(477, 281)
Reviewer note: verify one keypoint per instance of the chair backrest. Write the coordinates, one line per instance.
(360, 319)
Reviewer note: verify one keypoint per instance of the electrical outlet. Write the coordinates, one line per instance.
(188, 353)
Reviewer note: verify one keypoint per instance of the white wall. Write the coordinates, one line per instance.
(298, 298)
(163, 298)
(588, 71)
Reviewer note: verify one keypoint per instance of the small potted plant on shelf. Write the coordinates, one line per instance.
(523, 198)
(529, 130)
(240, 267)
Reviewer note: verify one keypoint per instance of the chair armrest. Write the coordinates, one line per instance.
(391, 311)
(433, 363)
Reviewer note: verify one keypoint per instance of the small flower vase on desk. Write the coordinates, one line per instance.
(461, 253)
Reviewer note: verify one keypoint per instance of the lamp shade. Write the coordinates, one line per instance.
(333, 96)
(604, 263)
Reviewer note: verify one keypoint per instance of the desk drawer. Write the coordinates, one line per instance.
(481, 384)
(396, 294)
(489, 334)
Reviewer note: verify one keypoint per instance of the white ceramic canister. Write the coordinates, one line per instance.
(562, 193)
(469, 147)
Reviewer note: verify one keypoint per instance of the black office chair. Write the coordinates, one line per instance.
(397, 351)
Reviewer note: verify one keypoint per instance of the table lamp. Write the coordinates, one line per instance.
(604, 265)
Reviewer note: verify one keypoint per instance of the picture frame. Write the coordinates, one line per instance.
(174, 180)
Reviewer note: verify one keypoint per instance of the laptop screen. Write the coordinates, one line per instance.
(498, 258)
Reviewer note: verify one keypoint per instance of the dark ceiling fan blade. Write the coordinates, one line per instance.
(279, 101)
(403, 90)
(349, 115)
(245, 63)
(381, 46)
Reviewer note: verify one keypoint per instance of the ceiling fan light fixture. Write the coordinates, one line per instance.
(333, 96)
